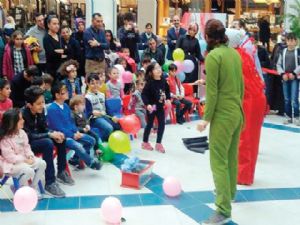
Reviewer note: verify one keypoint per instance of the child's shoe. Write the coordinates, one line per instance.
(147, 146)
(160, 148)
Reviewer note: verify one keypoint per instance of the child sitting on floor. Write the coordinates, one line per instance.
(96, 108)
(5, 101)
(17, 158)
(77, 105)
(48, 80)
(136, 103)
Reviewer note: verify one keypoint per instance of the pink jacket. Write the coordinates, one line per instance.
(8, 63)
(13, 153)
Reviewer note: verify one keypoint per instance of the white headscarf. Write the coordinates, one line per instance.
(235, 37)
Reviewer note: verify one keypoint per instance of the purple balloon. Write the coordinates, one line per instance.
(188, 66)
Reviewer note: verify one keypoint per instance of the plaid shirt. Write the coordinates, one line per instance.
(18, 61)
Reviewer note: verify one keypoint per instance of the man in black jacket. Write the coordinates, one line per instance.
(43, 141)
(154, 52)
(20, 83)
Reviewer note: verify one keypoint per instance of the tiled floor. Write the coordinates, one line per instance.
(273, 199)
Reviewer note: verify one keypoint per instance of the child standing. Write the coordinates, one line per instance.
(156, 93)
(177, 94)
(114, 86)
(17, 158)
(96, 109)
(48, 80)
(59, 119)
(288, 66)
(137, 104)
(5, 101)
(69, 69)
(77, 105)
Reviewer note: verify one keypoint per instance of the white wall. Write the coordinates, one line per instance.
(147, 13)
(108, 9)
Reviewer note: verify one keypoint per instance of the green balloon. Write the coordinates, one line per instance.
(108, 154)
(166, 66)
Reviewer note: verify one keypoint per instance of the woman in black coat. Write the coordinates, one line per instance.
(55, 54)
(191, 47)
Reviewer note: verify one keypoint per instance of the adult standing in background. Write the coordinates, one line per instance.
(80, 24)
(95, 44)
(146, 36)
(55, 54)
(173, 35)
(38, 31)
(69, 44)
(129, 36)
(223, 110)
(265, 32)
(191, 47)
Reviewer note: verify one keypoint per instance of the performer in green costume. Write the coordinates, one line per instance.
(223, 110)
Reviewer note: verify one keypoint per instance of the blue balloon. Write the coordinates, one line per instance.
(203, 46)
(181, 76)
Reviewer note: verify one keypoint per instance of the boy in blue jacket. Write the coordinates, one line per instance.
(59, 118)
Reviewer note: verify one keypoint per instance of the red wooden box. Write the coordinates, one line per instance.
(138, 180)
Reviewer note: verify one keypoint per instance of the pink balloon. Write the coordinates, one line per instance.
(172, 186)
(188, 66)
(179, 66)
(127, 77)
(25, 199)
(111, 209)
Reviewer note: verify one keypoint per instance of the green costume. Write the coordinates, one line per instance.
(223, 109)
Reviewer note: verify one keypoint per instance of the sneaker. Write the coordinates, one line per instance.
(297, 122)
(96, 165)
(55, 191)
(287, 121)
(65, 178)
(160, 148)
(217, 219)
(147, 146)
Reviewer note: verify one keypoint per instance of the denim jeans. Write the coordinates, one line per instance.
(82, 147)
(45, 146)
(291, 98)
(105, 127)
(186, 106)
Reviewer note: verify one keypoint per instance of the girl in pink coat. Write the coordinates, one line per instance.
(17, 159)
(17, 56)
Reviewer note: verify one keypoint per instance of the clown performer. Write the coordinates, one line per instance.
(254, 107)
(223, 110)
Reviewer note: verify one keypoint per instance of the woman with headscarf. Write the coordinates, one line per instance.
(224, 113)
(191, 47)
(254, 107)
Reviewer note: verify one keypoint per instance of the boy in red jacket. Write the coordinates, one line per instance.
(177, 94)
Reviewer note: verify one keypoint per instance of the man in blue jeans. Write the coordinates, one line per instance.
(288, 66)
(42, 140)
(59, 118)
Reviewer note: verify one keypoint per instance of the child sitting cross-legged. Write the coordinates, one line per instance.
(177, 94)
(77, 105)
(96, 108)
(59, 118)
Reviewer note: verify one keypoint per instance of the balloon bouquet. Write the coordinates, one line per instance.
(183, 66)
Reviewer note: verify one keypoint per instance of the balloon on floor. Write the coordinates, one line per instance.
(172, 187)
(119, 142)
(111, 209)
(25, 199)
